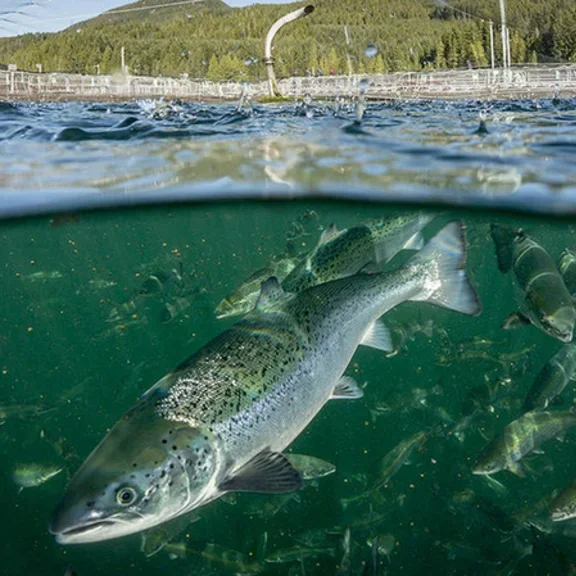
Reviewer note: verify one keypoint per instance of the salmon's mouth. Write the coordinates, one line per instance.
(84, 533)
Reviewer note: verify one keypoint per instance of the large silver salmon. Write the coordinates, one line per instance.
(220, 421)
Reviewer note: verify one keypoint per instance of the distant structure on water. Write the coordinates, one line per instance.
(517, 82)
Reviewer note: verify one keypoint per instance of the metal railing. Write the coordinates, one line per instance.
(518, 82)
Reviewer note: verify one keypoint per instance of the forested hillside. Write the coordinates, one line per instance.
(211, 40)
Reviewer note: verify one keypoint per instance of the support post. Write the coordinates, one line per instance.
(492, 63)
(504, 35)
(268, 59)
(123, 56)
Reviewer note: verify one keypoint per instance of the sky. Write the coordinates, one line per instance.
(22, 16)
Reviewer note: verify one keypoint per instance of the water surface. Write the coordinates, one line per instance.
(403, 149)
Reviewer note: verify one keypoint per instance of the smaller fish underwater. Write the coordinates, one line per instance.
(546, 302)
(552, 378)
(22, 411)
(563, 506)
(521, 437)
(33, 474)
(338, 254)
(243, 299)
(567, 267)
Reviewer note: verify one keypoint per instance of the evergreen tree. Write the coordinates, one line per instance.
(312, 63)
(214, 71)
(439, 55)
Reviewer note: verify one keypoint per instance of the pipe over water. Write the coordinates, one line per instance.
(268, 59)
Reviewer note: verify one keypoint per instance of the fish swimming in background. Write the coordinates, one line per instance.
(22, 411)
(243, 299)
(546, 303)
(563, 506)
(159, 283)
(567, 267)
(32, 474)
(227, 560)
(347, 252)
(521, 437)
(310, 468)
(396, 458)
(298, 553)
(219, 422)
(338, 254)
(552, 378)
(345, 566)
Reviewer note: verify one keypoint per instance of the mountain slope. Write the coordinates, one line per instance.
(221, 43)
(155, 11)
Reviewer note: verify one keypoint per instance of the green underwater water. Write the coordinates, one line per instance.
(58, 351)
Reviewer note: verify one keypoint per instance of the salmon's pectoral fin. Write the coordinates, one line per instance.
(347, 389)
(267, 473)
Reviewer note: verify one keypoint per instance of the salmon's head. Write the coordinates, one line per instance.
(236, 303)
(146, 471)
(491, 460)
(563, 507)
(560, 325)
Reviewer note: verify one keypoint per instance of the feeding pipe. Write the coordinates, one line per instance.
(268, 59)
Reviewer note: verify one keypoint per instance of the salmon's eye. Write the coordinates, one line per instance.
(126, 496)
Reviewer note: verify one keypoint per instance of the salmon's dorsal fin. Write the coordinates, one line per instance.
(329, 234)
(267, 473)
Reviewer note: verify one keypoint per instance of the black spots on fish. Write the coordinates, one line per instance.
(90, 504)
(174, 447)
(134, 465)
(163, 474)
(164, 441)
(171, 466)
